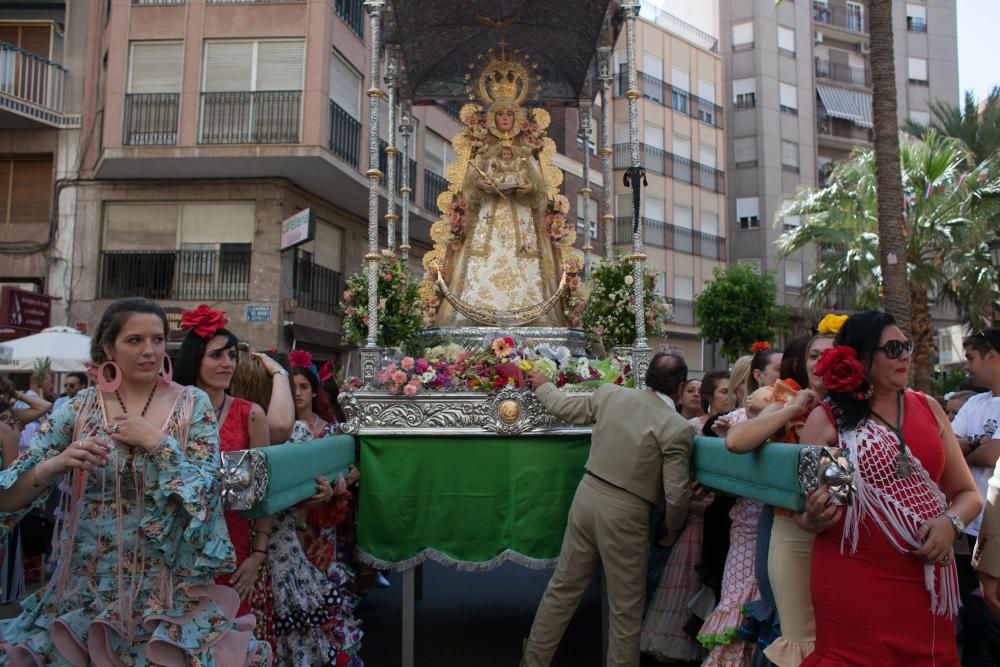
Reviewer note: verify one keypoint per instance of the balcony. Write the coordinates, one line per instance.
(659, 161)
(158, 2)
(857, 76)
(352, 12)
(434, 185)
(196, 275)
(677, 99)
(31, 90)
(345, 134)
(265, 117)
(683, 311)
(660, 234)
(151, 119)
(315, 287)
(849, 18)
(842, 133)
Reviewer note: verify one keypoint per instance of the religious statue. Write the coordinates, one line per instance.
(502, 241)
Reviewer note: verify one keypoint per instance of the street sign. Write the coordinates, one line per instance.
(25, 310)
(298, 229)
(258, 313)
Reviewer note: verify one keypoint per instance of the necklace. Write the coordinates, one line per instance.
(145, 407)
(903, 466)
(222, 406)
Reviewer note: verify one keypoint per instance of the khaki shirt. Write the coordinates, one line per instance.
(986, 557)
(638, 443)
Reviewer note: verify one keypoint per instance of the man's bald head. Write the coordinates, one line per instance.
(667, 374)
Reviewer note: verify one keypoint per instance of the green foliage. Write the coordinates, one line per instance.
(975, 125)
(40, 370)
(947, 381)
(737, 309)
(400, 312)
(609, 311)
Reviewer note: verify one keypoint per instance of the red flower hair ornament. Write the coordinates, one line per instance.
(760, 346)
(840, 369)
(204, 321)
(300, 359)
(325, 372)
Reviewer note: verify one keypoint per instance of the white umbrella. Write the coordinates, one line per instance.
(65, 347)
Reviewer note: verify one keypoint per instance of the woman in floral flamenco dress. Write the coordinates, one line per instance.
(144, 534)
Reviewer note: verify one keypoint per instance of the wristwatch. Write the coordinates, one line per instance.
(280, 371)
(956, 522)
(975, 441)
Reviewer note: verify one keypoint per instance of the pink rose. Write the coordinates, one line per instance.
(388, 277)
(407, 363)
(410, 390)
(399, 377)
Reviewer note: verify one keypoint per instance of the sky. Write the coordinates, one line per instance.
(978, 21)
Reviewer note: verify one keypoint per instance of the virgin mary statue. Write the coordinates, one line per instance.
(499, 244)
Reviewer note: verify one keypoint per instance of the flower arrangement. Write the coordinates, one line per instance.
(454, 215)
(474, 118)
(532, 134)
(502, 362)
(555, 221)
(609, 309)
(400, 310)
(576, 289)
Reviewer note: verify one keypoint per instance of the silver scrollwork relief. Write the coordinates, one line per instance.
(245, 478)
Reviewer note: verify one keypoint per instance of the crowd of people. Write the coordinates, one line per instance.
(148, 568)
(887, 579)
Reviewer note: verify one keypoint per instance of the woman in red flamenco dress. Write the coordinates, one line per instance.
(883, 581)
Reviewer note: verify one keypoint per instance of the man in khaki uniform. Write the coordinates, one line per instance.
(639, 451)
(986, 558)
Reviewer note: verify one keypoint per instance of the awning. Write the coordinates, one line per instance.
(318, 337)
(852, 105)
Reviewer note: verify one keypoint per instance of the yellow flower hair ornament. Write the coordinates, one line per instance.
(830, 324)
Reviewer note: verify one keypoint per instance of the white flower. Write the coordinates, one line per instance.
(428, 377)
(629, 280)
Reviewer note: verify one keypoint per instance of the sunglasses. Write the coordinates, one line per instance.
(894, 348)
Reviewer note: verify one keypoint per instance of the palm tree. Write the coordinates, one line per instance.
(948, 203)
(892, 242)
(977, 127)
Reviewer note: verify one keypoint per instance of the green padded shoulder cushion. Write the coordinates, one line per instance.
(769, 474)
(293, 467)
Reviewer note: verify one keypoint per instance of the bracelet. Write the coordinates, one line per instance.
(36, 482)
(258, 551)
(975, 441)
(280, 371)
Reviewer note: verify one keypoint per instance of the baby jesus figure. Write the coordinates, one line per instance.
(507, 171)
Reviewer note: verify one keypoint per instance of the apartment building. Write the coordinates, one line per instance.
(41, 57)
(799, 98)
(683, 149)
(207, 124)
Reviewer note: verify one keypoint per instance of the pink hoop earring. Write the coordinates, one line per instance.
(109, 385)
(167, 370)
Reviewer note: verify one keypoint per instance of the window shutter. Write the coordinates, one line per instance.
(682, 217)
(786, 39)
(32, 189)
(652, 66)
(710, 223)
(789, 95)
(747, 207)
(653, 135)
(918, 69)
(743, 33)
(916, 11)
(434, 150)
(684, 288)
(706, 90)
(706, 155)
(329, 240)
(743, 87)
(156, 67)
(222, 222)
(790, 154)
(680, 79)
(654, 209)
(228, 66)
(279, 65)
(140, 226)
(745, 149)
(345, 86)
(682, 146)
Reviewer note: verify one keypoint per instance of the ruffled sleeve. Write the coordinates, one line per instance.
(52, 437)
(183, 519)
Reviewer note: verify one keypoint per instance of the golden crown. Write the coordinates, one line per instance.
(503, 76)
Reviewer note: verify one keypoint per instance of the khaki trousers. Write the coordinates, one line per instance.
(606, 526)
(789, 568)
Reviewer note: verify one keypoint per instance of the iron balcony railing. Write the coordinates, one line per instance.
(31, 79)
(222, 274)
(383, 166)
(434, 185)
(847, 18)
(838, 128)
(247, 2)
(683, 311)
(315, 287)
(352, 12)
(151, 119)
(660, 234)
(841, 72)
(345, 134)
(263, 117)
(659, 161)
(157, 2)
(677, 99)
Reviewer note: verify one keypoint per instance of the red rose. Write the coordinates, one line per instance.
(300, 359)
(204, 321)
(840, 369)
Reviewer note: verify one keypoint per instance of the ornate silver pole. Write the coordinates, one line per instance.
(370, 352)
(405, 128)
(391, 79)
(605, 77)
(635, 177)
(584, 134)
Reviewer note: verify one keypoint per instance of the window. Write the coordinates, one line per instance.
(793, 274)
(786, 39)
(591, 215)
(437, 153)
(916, 17)
(652, 66)
(684, 288)
(748, 212)
(621, 132)
(274, 65)
(788, 98)
(709, 223)
(790, 155)
(654, 208)
(680, 95)
(753, 263)
(683, 229)
(327, 246)
(743, 34)
(922, 117)
(855, 16)
(652, 135)
(682, 146)
(155, 67)
(706, 107)
(745, 151)
(789, 222)
(917, 68)
(345, 86)
(706, 155)
(25, 190)
(745, 93)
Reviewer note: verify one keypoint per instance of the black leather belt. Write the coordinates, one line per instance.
(615, 486)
